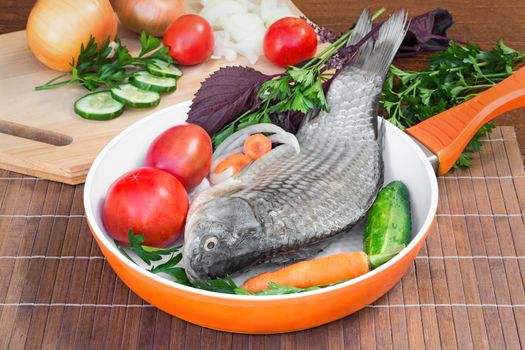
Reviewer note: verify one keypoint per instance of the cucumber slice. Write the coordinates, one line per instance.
(98, 105)
(149, 82)
(163, 69)
(134, 97)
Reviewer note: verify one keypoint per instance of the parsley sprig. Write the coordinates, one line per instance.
(299, 89)
(453, 77)
(152, 255)
(279, 289)
(110, 64)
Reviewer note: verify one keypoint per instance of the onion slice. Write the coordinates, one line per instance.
(215, 10)
(288, 139)
(241, 25)
(221, 177)
(234, 143)
(252, 129)
(245, 22)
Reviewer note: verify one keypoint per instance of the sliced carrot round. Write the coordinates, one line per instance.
(236, 161)
(257, 145)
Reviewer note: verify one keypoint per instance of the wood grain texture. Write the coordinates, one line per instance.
(465, 289)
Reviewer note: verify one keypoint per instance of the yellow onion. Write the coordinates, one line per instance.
(150, 16)
(57, 28)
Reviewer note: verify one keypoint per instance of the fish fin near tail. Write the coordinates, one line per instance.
(376, 56)
(361, 29)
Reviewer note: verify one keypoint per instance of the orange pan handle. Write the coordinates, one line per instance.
(448, 133)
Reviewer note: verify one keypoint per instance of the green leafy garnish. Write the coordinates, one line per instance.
(218, 285)
(147, 254)
(279, 289)
(110, 64)
(227, 285)
(153, 254)
(453, 77)
(297, 90)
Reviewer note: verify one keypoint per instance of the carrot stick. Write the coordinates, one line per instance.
(256, 146)
(304, 274)
(237, 161)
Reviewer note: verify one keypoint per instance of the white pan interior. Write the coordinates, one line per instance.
(403, 160)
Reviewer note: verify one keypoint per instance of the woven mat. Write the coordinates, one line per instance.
(465, 289)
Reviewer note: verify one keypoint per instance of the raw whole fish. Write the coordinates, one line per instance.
(287, 201)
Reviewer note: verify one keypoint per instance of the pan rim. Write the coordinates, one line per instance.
(97, 230)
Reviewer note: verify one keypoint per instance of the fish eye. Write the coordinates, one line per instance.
(210, 243)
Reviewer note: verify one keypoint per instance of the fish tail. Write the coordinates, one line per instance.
(362, 28)
(376, 56)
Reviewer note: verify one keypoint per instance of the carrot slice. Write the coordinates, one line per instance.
(237, 161)
(257, 145)
(304, 274)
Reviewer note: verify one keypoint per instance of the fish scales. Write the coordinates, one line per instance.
(286, 201)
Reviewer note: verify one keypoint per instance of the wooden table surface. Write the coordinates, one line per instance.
(465, 289)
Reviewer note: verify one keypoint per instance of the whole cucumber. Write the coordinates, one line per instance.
(388, 225)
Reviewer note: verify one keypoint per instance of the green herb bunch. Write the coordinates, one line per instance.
(453, 77)
(297, 90)
(109, 65)
(152, 255)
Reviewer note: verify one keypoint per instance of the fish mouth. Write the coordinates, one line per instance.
(195, 275)
(201, 267)
(194, 270)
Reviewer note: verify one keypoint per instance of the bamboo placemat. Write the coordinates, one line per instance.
(465, 289)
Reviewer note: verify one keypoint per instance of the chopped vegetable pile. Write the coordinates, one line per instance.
(240, 26)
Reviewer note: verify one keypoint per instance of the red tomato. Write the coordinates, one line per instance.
(289, 41)
(184, 151)
(148, 201)
(190, 39)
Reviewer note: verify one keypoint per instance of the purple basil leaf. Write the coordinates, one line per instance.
(289, 121)
(345, 54)
(427, 33)
(225, 95)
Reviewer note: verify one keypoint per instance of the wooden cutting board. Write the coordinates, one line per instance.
(41, 135)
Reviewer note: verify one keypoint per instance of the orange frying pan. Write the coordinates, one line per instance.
(436, 142)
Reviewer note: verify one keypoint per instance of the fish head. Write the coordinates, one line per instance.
(220, 238)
